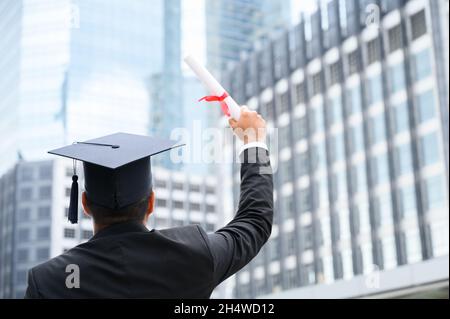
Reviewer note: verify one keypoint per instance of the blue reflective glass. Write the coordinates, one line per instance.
(429, 149)
(397, 77)
(425, 106)
(422, 63)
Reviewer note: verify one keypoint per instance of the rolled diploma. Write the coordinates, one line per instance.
(213, 86)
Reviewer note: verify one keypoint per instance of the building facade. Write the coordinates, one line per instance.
(233, 27)
(358, 93)
(34, 199)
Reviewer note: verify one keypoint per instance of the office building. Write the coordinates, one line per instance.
(358, 93)
(233, 27)
(78, 69)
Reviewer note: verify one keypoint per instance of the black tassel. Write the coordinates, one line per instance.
(73, 206)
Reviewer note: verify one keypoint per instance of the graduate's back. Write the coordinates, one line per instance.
(128, 261)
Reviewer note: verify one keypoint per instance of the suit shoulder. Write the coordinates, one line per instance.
(190, 234)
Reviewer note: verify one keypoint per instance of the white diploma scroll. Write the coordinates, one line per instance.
(213, 86)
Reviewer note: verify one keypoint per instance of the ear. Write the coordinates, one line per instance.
(86, 208)
(151, 203)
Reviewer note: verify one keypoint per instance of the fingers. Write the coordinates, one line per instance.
(233, 123)
(244, 108)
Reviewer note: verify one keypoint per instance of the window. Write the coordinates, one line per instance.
(373, 51)
(210, 208)
(356, 139)
(403, 160)
(380, 169)
(429, 149)
(334, 73)
(210, 190)
(288, 206)
(43, 212)
(395, 38)
(353, 100)
(177, 204)
(274, 248)
(374, 90)
(302, 162)
(42, 254)
(434, 193)
(316, 84)
(45, 172)
(307, 237)
(45, 192)
(290, 243)
(195, 188)
(285, 172)
(21, 277)
(24, 214)
(337, 148)
(400, 118)
(209, 227)
(422, 65)
(43, 233)
(305, 200)
(425, 106)
(308, 274)
(69, 233)
(159, 183)
(283, 137)
(26, 194)
(68, 191)
(283, 103)
(397, 77)
(87, 234)
(22, 255)
(334, 110)
(418, 25)
(177, 186)
(299, 91)
(194, 206)
(161, 202)
(292, 280)
(23, 235)
(26, 174)
(352, 62)
(407, 202)
(267, 110)
(377, 129)
(300, 128)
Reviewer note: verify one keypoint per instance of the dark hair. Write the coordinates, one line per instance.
(107, 216)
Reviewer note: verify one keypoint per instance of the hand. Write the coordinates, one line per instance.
(251, 127)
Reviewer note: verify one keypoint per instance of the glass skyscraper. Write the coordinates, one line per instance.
(361, 107)
(76, 69)
(233, 26)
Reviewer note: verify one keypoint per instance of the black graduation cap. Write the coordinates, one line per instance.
(117, 170)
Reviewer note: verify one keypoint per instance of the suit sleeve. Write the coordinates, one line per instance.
(32, 290)
(236, 244)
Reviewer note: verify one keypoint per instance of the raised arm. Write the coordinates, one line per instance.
(236, 244)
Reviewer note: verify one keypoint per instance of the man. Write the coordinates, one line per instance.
(124, 259)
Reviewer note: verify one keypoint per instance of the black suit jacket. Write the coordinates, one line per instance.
(129, 261)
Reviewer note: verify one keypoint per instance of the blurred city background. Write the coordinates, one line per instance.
(357, 90)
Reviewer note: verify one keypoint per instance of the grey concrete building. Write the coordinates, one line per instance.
(359, 94)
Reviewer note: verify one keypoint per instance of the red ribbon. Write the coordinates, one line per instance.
(220, 99)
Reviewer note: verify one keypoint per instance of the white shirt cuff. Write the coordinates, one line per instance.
(253, 144)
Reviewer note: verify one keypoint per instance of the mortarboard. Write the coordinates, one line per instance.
(117, 170)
